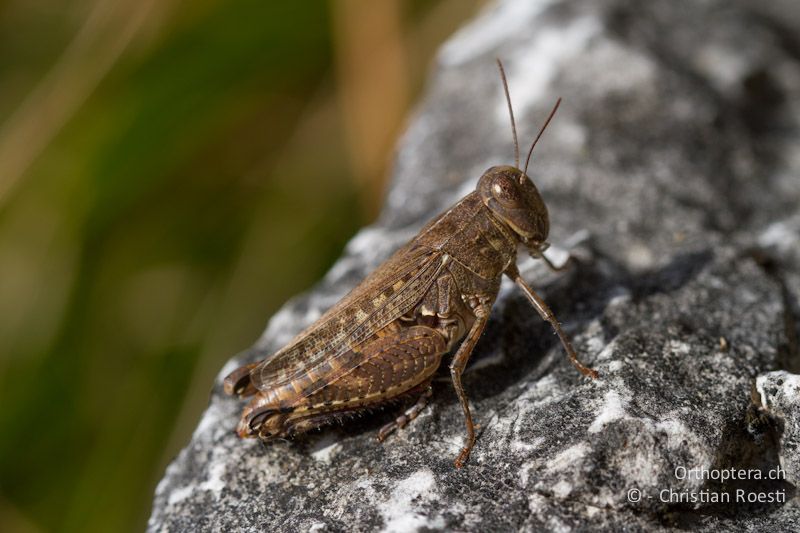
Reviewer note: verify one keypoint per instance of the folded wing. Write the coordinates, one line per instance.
(391, 291)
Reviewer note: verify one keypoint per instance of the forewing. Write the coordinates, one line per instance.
(390, 292)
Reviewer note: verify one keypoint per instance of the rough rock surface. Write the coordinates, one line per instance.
(671, 172)
(779, 395)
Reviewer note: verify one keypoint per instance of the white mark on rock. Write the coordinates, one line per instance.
(536, 65)
(215, 483)
(522, 446)
(606, 352)
(724, 66)
(556, 525)
(675, 430)
(613, 409)
(639, 72)
(364, 241)
(214, 416)
(562, 489)
(557, 255)
(789, 386)
(640, 256)
(781, 236)
(620, 298)
(596, 339)
(679, 347)
(591, 511)
(325, 448)
(179, 495)
(525, 473)
(570, 134)
(401, 511)
(490, 30)
(569, 458)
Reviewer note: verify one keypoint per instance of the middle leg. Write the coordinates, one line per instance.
(457, 367)
(409, 414)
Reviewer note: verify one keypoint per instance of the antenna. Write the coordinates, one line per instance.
(510, 112)
(546, 122)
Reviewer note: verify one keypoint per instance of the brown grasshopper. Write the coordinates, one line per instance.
(387, 337)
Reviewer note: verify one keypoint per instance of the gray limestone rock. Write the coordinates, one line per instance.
(671, 172)
(779, 396)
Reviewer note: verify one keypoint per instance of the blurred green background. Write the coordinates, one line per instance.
(170, 173)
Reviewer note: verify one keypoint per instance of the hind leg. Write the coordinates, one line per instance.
(409, 414)
(239, 383)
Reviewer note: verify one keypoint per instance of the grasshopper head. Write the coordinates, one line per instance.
(513, 199)
(511, 195)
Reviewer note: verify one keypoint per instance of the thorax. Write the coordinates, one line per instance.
(472, 237)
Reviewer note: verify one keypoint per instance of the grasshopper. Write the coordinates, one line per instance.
(385, 340)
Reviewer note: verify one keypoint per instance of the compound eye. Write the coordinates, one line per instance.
(506, 192)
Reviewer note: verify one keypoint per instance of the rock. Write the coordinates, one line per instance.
(671, 173)
(779, 395)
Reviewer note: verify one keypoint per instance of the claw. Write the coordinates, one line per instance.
(462, 457)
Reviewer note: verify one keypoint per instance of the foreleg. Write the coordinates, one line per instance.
(547, 314)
